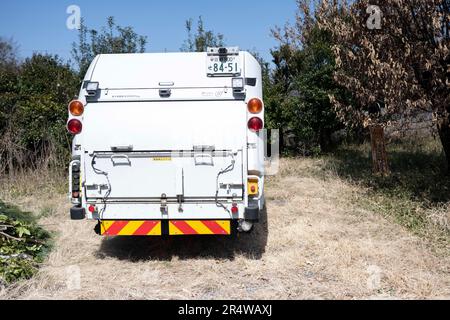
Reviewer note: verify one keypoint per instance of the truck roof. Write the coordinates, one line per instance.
(150, 70)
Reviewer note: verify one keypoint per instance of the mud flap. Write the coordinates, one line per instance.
(251, 214)
(77, 213)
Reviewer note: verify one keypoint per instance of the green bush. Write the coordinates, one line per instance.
(33, 112)
(34, 95)
(23, 245)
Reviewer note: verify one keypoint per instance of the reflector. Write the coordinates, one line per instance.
(255, 124)
(74, 126)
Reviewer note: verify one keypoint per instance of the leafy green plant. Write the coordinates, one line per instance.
(33, 112)
(23, 245)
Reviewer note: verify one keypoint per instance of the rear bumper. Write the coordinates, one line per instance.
(164, 227)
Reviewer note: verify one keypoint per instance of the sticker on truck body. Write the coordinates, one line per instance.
(130, 228)
(162, 158)
(155, 228)
(204, 227)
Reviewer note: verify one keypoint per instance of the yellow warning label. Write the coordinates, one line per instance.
(162, 159)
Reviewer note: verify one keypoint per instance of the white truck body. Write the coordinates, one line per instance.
(165, 138)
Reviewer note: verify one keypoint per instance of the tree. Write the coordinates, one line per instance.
(47, 84)
(401, 65)
(110, 39)
(202, 39)
(9, 95)
(9, 68)
(302, 82)
(8, 53)
(33, 112)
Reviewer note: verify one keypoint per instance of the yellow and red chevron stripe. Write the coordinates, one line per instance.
(130, 228)
(204, 227)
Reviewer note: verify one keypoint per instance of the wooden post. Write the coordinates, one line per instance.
(379, 156)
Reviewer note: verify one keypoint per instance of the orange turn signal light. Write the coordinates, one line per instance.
(76, 108)
(255, 106)
(253, 187)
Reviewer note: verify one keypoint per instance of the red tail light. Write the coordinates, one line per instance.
(255, 124)
(74, 126)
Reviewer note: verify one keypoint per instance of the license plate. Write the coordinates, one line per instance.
(220, 66)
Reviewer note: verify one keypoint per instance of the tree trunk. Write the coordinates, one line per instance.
(325, 141)
(379, 156)
(444, 134)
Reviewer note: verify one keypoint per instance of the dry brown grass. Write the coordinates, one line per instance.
(316, 243)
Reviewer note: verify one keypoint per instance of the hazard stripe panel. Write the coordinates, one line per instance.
(204, 227)
(130, 228)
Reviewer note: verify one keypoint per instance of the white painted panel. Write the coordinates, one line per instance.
(164, 126)
(149, 70)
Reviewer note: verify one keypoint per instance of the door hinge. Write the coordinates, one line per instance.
(163, 209)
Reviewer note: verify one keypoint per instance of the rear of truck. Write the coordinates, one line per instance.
(169, 144)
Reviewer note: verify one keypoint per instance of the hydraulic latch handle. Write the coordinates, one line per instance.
(204, 159)
(120, 156)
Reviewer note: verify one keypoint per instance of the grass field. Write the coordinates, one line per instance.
(330, 231)
(415, 195)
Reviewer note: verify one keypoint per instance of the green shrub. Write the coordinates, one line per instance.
(23, 245)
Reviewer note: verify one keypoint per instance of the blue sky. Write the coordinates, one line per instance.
(40, 26)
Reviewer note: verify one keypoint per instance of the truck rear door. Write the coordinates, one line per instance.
(139, 150)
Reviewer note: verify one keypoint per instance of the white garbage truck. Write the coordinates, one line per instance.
(169, 144)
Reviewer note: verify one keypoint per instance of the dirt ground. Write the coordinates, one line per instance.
(313, 243)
